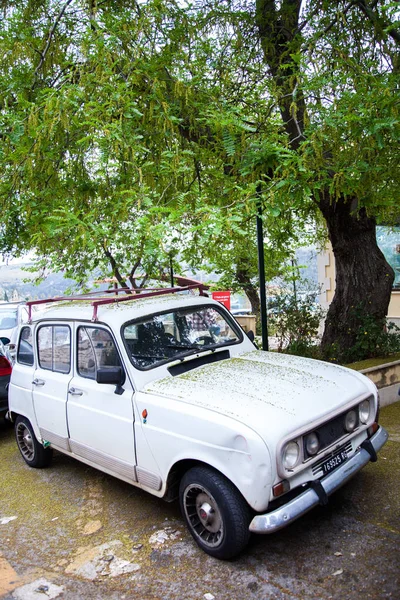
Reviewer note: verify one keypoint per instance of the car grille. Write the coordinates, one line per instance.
(317, 467)
(328, 433)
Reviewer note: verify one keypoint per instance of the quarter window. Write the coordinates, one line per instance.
(96, 349)
(25, 347)
(54, 348)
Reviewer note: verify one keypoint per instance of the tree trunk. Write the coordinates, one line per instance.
(250, 290)
(364, 279)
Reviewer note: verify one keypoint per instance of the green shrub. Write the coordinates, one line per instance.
(295, 322)
(371, 338)
(374, 338)
(304, 348)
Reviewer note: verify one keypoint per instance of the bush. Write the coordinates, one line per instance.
(374, 338)
(295, 322)
(304, 348)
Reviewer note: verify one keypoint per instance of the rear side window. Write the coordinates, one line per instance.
(96, 349)
(54, 348)
(25, 347)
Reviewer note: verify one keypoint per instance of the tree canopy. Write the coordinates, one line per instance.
(124, 123)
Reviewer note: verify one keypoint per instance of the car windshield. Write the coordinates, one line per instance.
(8, 318)
(174, 335)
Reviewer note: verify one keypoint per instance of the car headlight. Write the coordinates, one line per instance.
(312, 444)
(350, 421)
(364, 410)
(291, 455)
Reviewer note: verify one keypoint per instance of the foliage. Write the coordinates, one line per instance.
(295, 321)
(373, 339)
(113, 144)
(124, 124)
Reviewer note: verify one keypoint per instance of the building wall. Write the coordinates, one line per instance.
(394, 307)
(327, 277)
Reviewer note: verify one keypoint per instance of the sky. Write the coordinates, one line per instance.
(16, 261)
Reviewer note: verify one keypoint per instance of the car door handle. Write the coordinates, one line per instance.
(75, 392)
(38, 382)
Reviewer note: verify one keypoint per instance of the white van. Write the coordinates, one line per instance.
(12, 315)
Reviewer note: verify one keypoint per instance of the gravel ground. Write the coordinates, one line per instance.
(71, 532)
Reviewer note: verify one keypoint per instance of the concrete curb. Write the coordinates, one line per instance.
(387, 379)
(389, 394)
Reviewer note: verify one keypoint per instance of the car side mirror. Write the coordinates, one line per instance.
(112, 375)
(250, 335)
(252, 338)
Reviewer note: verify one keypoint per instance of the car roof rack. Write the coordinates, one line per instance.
(185, 284)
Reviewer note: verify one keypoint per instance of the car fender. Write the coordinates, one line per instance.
(205, 436)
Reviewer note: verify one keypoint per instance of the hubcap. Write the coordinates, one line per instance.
(25, 441)
(203, 514)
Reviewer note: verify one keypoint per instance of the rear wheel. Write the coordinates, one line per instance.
(32, 451)
(215, 512)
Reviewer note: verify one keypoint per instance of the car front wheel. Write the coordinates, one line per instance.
(32, 451)
(215, 512)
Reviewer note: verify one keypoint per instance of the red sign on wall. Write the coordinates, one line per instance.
(223, 297)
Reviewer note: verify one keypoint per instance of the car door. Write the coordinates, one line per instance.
(51, 382)
(100, 415)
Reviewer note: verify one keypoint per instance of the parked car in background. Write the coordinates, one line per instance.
(240, 306)
(165, 391)
(5, 373)
(12, 315)
(240, 312)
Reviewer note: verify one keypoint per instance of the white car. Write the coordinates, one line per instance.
(12, 315)
(166, 392)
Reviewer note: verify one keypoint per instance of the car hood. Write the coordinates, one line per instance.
(267, 390)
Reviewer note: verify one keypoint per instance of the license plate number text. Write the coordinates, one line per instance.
(334, 462)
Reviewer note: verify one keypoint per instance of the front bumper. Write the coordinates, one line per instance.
(282, 516)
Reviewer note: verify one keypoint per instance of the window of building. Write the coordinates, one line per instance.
(388, 239)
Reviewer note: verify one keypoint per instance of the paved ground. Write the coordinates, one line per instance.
(71, 532)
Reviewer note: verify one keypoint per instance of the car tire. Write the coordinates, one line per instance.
(215, 512)
(31, 450)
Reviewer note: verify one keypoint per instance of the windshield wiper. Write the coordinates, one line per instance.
(137, 356)
(186, 346)
(192, 349)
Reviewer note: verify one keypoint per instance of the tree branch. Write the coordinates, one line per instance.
(132, 273)
(115, 269)
(380, 24)
(281, 43)
(51, 33)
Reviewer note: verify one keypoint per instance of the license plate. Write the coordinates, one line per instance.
(333, 462)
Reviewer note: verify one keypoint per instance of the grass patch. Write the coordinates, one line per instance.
(373, 362)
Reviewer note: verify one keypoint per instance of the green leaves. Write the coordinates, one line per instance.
(142, 119)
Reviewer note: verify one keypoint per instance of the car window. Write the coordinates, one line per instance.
(25, 347)
(45, 347)
(8, 318)
(61, 349)
(54, 348)
(164, 337)
(96, 349)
